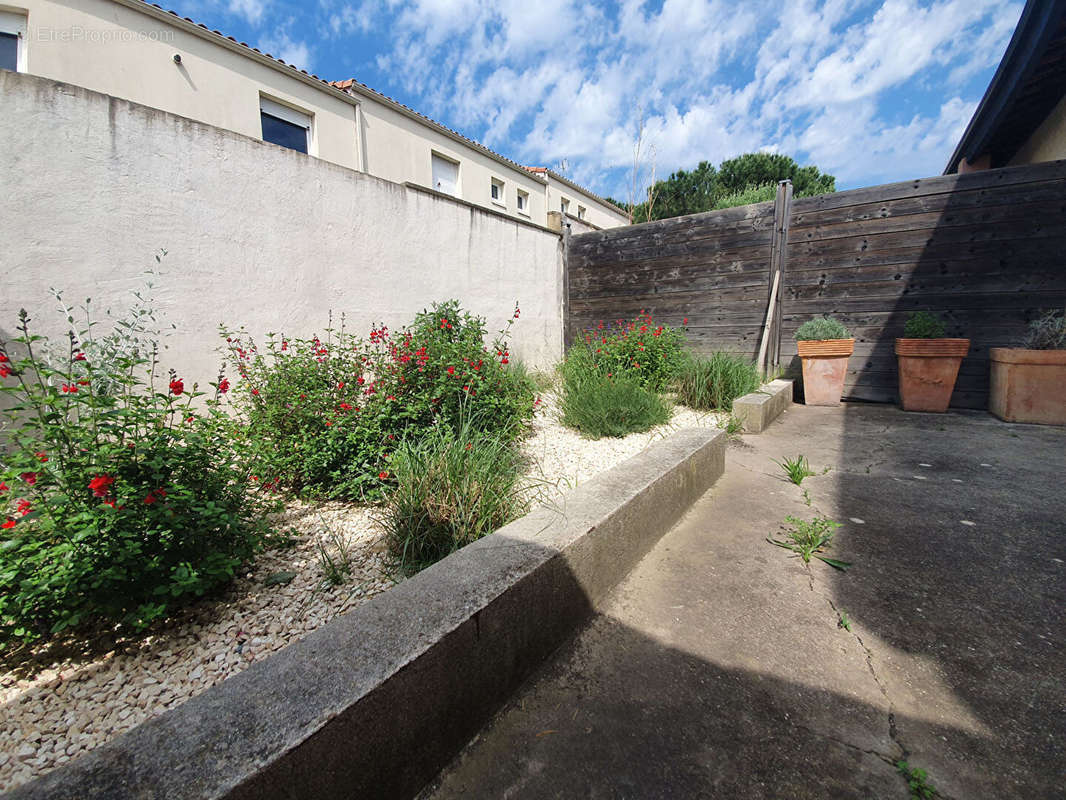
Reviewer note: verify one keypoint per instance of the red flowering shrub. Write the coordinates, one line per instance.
(650, 354)
(118, 500)
(325, 414)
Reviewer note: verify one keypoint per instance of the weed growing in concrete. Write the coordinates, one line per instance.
(809, 539)
(807, 498)
(917, 781)
(843, 621)
(796, 468)
(731, 425)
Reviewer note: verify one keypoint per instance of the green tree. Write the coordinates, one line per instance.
(748, 178)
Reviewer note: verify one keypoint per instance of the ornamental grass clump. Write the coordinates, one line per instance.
(325, 414)
(120, 497)
(453, 485)
(714, 382)
(600, 406)
(1047, 332)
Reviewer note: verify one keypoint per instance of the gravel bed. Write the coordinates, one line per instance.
(67, 698)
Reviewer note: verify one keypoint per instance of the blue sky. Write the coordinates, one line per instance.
(868, 91)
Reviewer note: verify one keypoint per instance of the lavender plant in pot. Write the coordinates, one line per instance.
(1029, 382)
(824, 346)
(928, 363)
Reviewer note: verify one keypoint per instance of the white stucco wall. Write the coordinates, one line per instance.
(256, 234)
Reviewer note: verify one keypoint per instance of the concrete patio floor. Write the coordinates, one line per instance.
(718, 668)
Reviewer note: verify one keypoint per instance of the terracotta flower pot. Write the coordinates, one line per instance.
(927, 372)
(1028, 385)
(825, 363)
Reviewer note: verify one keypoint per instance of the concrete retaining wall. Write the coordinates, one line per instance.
(758, 409)
(257, 235)
(375, 703)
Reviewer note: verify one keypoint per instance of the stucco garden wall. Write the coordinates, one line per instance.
(255, 234)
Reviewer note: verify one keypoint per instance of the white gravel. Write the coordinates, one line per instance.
(62, 700)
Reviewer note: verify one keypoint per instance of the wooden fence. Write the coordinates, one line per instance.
(986, 251)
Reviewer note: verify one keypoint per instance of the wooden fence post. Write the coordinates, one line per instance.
(778, 264)
(565, 280)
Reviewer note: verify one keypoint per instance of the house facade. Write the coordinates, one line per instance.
(137, 51)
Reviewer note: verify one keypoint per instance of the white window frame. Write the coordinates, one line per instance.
(564, 205)
(501, 197)
(287, 113)
(458, 174)
(15, 22)
(582, 212)
(523, 202)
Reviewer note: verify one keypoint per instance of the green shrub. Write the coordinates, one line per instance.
(714, 382)
(324, 414)
(452, 486)
(923, 325)
(599, 406)
(821, 328)
(120, 499)
(1047, 332)
(650, 355)
(747, 196)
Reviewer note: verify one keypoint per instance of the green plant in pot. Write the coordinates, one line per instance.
(1027, 382)
(928, 363)
(824, 346)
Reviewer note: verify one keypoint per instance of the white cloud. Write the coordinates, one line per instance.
(251, 10)
(282, 46)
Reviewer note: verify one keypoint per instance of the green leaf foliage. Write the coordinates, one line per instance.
(820, 329)
(923, 325)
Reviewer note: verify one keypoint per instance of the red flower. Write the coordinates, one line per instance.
(517, 311)
(100, 485)
(684, 321)
(4, 372)
(79, 356)
(83, 382)
(69, 389)
(3, 358)
(383, 475)
(29, 477)
(328, 423)
(223, 386)
(9, 524)
(151, 498)
(345, 406)
(505, 361)
(176, 387)
(360, 380)
(43, 457)
(466, 388)
(112, 504)
(340, 385)
(24, 507)
(451, 370)
(4, 487)
(255, 391)
(284, 345)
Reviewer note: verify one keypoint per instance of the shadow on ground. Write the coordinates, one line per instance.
(720, 668)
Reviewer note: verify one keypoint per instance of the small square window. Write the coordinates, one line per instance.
(564, 205)
(284, 126)
(496, 190)
(523, 201)
(581, 212)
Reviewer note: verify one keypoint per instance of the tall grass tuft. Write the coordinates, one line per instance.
(598, 406)
(452, 487)
(713, 383)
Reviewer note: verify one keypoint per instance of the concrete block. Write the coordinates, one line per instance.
(375, 703)
(758, 409)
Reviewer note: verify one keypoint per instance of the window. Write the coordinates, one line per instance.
(564, 205)
(523, 202)
(12, 41)
(285, 126)
(581, 212)
(496, 190)
(445, 175)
